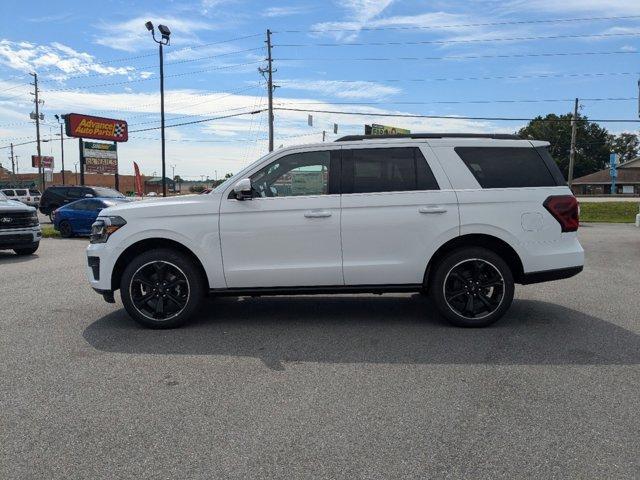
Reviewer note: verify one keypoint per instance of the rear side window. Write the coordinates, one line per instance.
(369, 170)
(507, 167)
(8, 193)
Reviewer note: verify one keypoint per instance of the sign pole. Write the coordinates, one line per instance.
(117, 178)
(81, 162)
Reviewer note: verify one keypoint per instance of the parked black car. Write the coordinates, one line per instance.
(55, 197)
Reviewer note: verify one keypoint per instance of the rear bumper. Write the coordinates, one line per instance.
(550, 275)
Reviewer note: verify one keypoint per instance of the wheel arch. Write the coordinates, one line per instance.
(148, 244)
(490, 242)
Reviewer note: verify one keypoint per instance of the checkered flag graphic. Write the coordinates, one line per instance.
(120, 130)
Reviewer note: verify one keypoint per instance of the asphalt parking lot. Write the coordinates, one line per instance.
(363, 386)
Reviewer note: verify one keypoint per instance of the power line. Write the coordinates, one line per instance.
(474, 40)
(466, 57)
(199, 121)
(449, 117)
(463, 25)
(457, 102)
(137, 80)
(498, 77)
(177, 62)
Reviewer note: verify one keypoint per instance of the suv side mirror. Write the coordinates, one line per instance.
(242, 189)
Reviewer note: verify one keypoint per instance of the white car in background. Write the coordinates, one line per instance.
(460, 217)
(28, 196)
(19, 227)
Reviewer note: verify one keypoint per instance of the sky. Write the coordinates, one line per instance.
(512, 58)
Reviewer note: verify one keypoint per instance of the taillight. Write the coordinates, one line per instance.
(564, 208)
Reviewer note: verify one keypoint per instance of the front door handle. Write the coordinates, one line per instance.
(432, 209)
(317, 213)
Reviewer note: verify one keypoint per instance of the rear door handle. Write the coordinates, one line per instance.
(317, 213)
(432, 209)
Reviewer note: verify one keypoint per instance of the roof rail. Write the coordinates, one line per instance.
(495, 136)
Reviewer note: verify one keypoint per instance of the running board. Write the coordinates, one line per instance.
(329, 289)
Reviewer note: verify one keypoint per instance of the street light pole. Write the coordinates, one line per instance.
(164, 40)
(60, 119)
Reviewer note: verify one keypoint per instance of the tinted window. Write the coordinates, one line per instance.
(106, 192)
(74, 193)
(34, 192)
(505, 167)
(21, 193)
(8, 193)
(294, 175)
(387, 170)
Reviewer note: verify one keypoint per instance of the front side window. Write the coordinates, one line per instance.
(387, 170)
(294, 175)
(21, 193)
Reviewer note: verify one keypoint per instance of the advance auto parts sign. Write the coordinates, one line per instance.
(100, 157)
(97, 128)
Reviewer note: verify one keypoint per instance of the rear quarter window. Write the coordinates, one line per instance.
(508, 167)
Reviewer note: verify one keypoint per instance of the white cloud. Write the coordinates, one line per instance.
(132, 35)
(58, 59)
(360, 13)
(607, 7)
(352, 90)
(285, 11)
(628, 48)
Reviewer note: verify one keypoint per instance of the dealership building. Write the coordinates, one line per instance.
(599, 183)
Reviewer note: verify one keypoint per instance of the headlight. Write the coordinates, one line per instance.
(33, 219)
(103, 227)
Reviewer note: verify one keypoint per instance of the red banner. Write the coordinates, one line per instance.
(138, 180)
(47, 162)
(97, 128)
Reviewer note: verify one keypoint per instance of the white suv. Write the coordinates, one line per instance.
(460, 217)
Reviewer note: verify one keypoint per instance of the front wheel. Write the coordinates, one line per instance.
(66, 231)
(472, 287)
(161, 288)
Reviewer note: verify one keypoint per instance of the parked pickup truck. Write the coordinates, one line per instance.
(19, 227)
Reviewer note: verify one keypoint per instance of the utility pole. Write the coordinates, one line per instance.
(37, 119)
(574, 132)
(60, 119)
(269, 71)
(13, 164)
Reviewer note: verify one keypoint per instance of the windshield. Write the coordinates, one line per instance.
(34, 192)
(107, 193)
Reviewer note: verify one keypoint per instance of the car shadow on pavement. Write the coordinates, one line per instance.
(374, 329)
(8, 258)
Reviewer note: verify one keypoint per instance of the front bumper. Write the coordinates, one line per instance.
(19, 237)
(101, 258)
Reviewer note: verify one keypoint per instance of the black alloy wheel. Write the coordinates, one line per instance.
(159, 290)
(162, 288)
(472, 287)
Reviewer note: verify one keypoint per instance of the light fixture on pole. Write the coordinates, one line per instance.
(60, 119)
(164, 40)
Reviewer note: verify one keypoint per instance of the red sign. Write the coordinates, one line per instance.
(47, 162)
(97, 128)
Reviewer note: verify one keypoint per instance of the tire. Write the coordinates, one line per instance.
(27, 251)
(161, 288)
(66, 231)
(472, 287)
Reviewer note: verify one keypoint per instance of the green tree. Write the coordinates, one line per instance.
(625, 145)
(592, 142)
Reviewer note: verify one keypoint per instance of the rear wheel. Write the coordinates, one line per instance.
(161, 288)
(65, 229)
(27, 251)
(472, 287)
